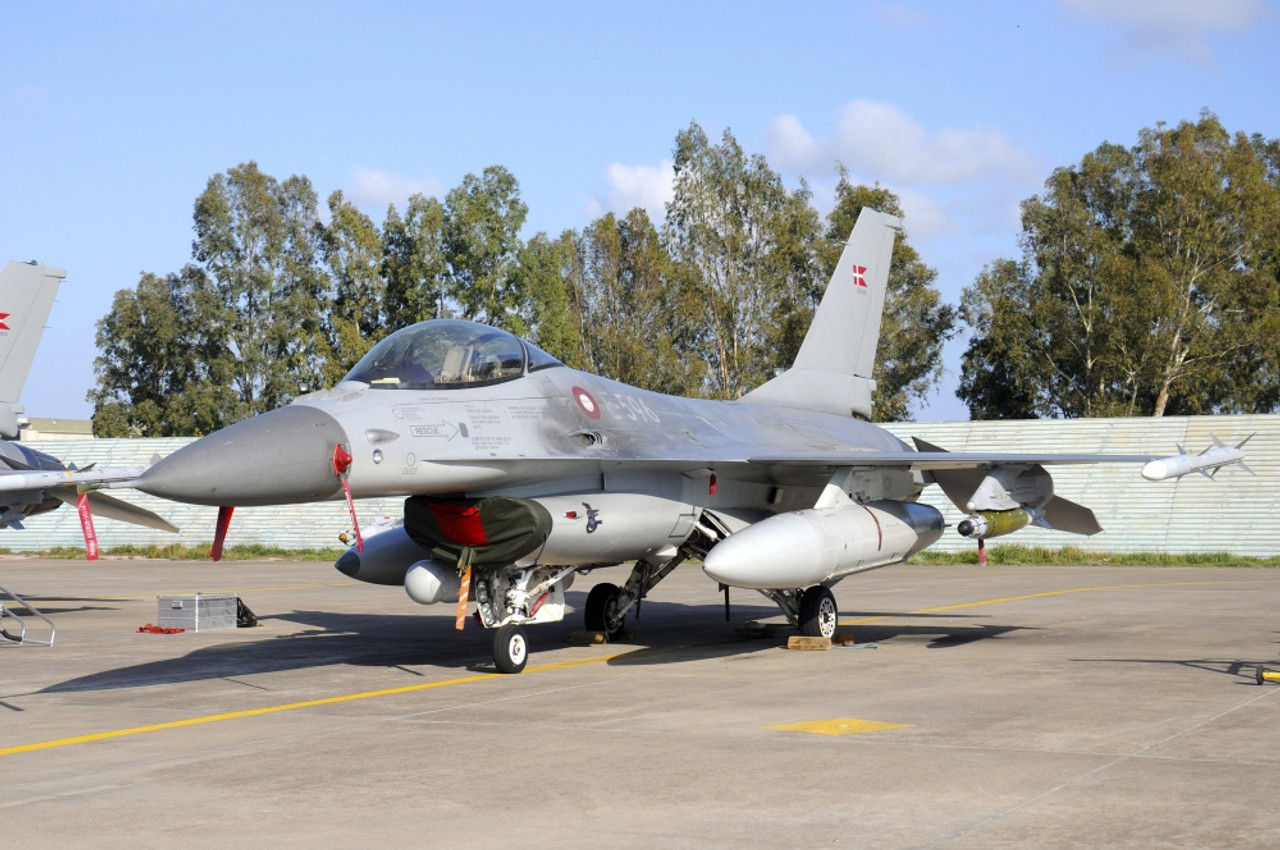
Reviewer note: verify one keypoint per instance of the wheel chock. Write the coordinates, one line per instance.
(1263, 675)
(580, 637)
(586, 638)
(805, 642)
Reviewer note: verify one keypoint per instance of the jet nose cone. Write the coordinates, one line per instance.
(281, 457)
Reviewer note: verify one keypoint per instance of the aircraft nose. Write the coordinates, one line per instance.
(280, 457)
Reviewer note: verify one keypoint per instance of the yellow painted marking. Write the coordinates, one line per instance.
(839, 726)
(1042, 595)
(273, 709)
(828, 727)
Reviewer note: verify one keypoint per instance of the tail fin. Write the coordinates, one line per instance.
(832, 372)
(27, 291)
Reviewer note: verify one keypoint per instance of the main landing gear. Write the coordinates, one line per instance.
(813, 611)
(602, 614)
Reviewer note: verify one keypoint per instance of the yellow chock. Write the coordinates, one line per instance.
(804, 642)
(585, 638)
(1267, 675)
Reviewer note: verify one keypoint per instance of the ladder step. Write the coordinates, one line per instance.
(8, 602)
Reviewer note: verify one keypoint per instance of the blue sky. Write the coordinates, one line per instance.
(114, 115)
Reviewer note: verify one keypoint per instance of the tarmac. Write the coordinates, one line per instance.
(998, 707)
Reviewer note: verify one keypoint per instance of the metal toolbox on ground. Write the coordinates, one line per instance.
(198, 612)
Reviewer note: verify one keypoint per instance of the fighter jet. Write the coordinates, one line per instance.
(32, 482)
(520, 474)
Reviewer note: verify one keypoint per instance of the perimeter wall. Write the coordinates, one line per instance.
(1236, 513)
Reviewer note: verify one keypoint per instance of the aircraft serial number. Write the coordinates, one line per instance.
(623, 406)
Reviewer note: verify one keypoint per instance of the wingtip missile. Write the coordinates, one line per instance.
(1207, 462)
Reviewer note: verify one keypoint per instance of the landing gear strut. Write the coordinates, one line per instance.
(813, 611)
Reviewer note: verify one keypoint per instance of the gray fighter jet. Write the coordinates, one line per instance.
(520, 473)
(32, 482)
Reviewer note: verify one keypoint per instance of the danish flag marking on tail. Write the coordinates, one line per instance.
(860, 276)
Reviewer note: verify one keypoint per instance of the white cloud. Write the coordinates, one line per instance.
(896, 16)
(372, 190)
(631, 186)
(887, 145)
(1167, 30)
(957, 186)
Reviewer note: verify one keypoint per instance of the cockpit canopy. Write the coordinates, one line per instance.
(444, 354)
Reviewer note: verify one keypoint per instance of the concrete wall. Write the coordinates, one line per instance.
(1237, 513)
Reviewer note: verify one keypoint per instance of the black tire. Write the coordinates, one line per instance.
(819, 614)
(510, 648)
(601, 610)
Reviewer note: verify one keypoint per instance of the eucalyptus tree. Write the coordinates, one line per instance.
(239, 331)
(257, 241)
(1147, 286)
(481, 241)
(745, 244)
(353, 257)
(413, 262)
(627, 299)
(153, 378)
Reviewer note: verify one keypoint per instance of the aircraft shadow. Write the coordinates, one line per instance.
(666, 633)
(1244, 671)
(368, 640)
(720, 645)
(42, 603)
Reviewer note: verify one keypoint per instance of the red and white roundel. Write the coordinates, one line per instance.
(588, 404)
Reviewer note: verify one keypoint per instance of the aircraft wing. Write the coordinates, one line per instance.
(931, 460)
(929, 457)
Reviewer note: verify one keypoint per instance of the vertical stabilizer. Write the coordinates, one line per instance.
(27, 291)
(832, 372)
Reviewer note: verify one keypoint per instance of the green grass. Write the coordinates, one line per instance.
(1041, 556)
(1021, 556)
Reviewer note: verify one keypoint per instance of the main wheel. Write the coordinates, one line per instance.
(601, 614)
(510, 648)
(819, 614)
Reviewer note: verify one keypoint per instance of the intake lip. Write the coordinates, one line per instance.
(281, 457)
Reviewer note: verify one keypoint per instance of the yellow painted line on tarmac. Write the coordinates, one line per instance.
(1023, 597)
(293, 706)
(839, 726)
(425, 686)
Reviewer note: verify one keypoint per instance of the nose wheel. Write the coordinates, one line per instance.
(510, 648)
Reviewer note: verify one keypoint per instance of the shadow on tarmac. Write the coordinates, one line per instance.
(672, 632)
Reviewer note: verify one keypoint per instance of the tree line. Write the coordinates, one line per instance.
(1149, 284)
(713, 302)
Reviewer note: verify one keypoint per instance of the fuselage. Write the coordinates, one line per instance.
(540, 429)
